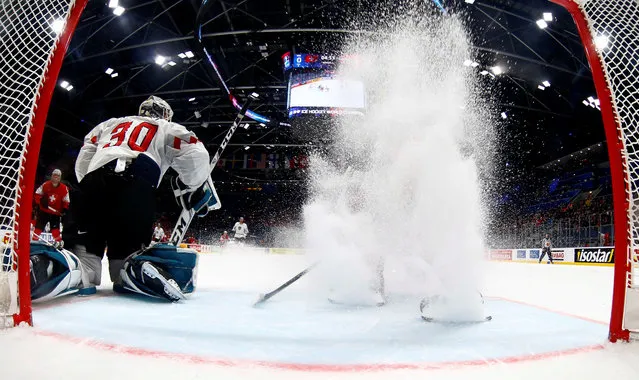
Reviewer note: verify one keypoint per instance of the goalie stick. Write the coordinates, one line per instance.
(187, 214)
(265, 297)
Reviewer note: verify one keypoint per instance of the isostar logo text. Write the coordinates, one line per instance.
(599, 255)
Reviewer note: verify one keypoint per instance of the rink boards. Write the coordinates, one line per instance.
(598, 256)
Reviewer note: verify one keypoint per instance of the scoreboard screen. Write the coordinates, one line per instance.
(314, 88)
(307, 61)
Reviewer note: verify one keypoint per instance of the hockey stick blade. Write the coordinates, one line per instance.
(265, 297)
(486, 319)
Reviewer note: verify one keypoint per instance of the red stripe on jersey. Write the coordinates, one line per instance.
(193, 140)
(94, 140)
(176, 142)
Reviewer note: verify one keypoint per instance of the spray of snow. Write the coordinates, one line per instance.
(400, 184)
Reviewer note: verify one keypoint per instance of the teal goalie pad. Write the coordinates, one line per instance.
(179, 263)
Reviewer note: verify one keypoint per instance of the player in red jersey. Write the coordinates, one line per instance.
(224, 238)
(53, 201)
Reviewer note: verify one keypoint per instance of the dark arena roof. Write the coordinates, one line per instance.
(543, 106)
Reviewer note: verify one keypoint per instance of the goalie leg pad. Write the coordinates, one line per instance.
(144, 278)
(174, 266)
(54, 272)
(179, 263)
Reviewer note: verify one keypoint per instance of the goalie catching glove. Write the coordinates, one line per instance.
(200, 200)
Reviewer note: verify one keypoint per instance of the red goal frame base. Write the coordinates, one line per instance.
(26, 182)
(617, 171)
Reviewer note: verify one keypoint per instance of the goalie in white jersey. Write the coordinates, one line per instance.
(119, 167)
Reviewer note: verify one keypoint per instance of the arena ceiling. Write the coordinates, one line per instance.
(248, 38)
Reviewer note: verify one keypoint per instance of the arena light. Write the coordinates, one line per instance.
(197, 114)
(548, 16)
(64, 84)
(497, 70)
(594, 103)
(601, 42)
(113, 4)
(542, 24)
(109, 71)
(504, 115)
(69, 88)
(546, 83)
(189, 54)
(182, 55)
(191, 99)
(474, 64)
(171, 63)
(484, 72)
(585, 102)
(57, 25)
(118, 11)
(470, 1)
(159, 60)
(541, 87)
(114, 75)
(246, 126)
(247, 147)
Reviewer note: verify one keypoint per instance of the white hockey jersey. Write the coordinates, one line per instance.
(168, 144)
(158, 233)
(240, 229)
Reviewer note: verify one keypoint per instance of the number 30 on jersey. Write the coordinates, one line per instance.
(139, 137)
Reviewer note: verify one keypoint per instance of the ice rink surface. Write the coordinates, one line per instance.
(549, 322)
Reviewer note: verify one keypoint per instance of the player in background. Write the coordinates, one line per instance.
(241, 230)
(53, 201)
(546, 248)
(119, 168)
(158, 233)
(224, 238)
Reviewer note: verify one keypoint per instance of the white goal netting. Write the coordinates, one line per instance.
(29, 32)
(614, 35)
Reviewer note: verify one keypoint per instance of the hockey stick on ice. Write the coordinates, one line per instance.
(265, 297)
(187, 214)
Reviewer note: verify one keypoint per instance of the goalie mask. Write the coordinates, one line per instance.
(156, 108)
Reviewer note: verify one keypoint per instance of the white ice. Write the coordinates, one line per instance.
(26, 353)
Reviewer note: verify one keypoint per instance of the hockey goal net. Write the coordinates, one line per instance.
(608, 30)
(34, 35)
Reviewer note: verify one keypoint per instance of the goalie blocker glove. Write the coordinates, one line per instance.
(200, 200)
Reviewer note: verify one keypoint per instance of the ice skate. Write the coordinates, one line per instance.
(145, 278)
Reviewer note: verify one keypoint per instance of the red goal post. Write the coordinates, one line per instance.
(615, 72)
(34, 36)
